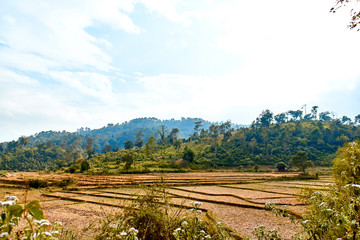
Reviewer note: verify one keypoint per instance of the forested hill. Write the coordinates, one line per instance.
(113, 136)
(269, 140)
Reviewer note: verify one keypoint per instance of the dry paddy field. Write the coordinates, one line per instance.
(236, 199)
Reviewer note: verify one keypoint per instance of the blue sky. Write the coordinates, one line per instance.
(71, 64)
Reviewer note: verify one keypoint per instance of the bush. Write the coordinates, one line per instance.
(150, 217)
(37, 183)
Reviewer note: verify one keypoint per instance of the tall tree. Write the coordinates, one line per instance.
(265, 118)
(214, 134)
(89, 146)
(197, 126)
(139, 142)
(300, 159)
(314, 112)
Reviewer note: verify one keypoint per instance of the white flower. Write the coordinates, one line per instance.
(199, 211)
(356, 185)
(177, 230)
(8, 203)
(134, 230)
(12, 198)
(48, 234)
(202, 231)
(208, 236)
(4, 234)
(123, 234)
(112, 225)
(55, 232)
(323, 203)
(184, 224)
(306, 221)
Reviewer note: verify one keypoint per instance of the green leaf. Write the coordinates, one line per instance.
(35, 210)
(15, 210)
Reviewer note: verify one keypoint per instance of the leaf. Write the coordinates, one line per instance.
(15, 210)
(35, 210)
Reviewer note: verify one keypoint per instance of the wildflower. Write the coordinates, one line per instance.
(55, 232)
(356, 185)
(7, 203)
(306, 221)
(323, 203)
(48, 234)
(12, 198)
(219, 223)
(133, 230)
(184, 224)
(177, 230)
(199, 211)
(123, 233)
(208, 236)
(111, 225)
(4, 234)
(202, 231)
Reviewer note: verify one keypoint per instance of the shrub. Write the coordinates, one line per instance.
(37, 183)
(150, 217)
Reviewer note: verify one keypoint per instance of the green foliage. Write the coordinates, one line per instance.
(281, 166)
(189, 155)
(261, 233)
(335, 213)
(300, 159)
(84, 166)
(150, 217)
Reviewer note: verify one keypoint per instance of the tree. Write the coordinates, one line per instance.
(150, 146)
(357, 119)
(128, 158)
(139, 142)
(90, 147)
(265, 118)
(354, 13)
(281, 166)
(314, 111)
(214, 134)
(197, 128)
(173, 135)
(300, 159)
(84, 166)
(280, 118)
(325, 116)
(128, 144)
(189, 155)
(162, 134)
(107, 148)
(296, 115)
(345, 120)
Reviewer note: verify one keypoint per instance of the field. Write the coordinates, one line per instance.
(236, 199)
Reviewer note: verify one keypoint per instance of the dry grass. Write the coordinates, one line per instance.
(237, 199)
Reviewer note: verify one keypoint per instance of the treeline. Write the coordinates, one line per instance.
(276, 138)
(151, 144)
(113, 136)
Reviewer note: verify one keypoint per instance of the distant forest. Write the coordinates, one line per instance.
(269, 140)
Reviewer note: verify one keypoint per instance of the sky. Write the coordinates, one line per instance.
(86, 63)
